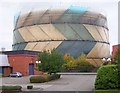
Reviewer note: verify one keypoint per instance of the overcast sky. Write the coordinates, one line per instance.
(8, 9)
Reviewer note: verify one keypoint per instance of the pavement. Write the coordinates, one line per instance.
(67, 82)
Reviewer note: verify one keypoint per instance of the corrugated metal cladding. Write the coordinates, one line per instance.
(74, 30)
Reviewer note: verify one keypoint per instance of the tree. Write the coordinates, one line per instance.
(68, 62)
(51, 62)
(68, 58)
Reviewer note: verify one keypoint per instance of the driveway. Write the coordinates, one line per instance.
(65, 83)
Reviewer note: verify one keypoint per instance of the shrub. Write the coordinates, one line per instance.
(11, 88)
(68, 62)
(54, 76)
(84, 66)
(44, 78)
(37, 79)
(80, 64)
(107, 77)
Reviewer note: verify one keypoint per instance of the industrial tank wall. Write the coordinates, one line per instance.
(73, 31)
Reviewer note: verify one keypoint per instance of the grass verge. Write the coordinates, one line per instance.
(107, 91)
(10, 88)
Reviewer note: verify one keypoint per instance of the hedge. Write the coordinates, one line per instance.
(107, 77)
(85, 67)
(10, 88)
(81, 67)
(79, 64)
(44, 78)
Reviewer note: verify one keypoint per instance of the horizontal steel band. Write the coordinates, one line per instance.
(60, 40)
(62, 23)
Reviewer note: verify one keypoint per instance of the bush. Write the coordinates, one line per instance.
(54, 76)
(68, 62)
(84, 66)
(44, 78)
(107, 77)
(10, 88)
(37, 79)
(80, 64)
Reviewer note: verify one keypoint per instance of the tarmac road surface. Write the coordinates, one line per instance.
(70, 82)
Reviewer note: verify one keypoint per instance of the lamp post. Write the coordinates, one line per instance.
(38, 62)
(106, 60)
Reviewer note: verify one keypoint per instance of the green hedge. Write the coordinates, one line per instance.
(107, 77)
(81, 67)
(10, 88)
(85, 67)
(44, 78)
(79, 64)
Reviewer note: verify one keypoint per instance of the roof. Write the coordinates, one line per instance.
(4, 60)
(116, 45)
(21, 52)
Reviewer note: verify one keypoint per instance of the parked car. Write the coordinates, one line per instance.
(16, 74)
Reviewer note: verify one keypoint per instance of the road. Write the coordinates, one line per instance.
(65, 83)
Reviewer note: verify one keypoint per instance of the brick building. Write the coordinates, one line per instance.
(114, 49)
(23, 61)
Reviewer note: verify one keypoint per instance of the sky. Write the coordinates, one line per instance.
(9, 8)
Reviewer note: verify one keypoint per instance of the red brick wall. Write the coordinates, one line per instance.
(20, 62)
(114, 49)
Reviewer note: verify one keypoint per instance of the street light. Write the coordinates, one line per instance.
(106, 60)
(38, 62)
(109, 59)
